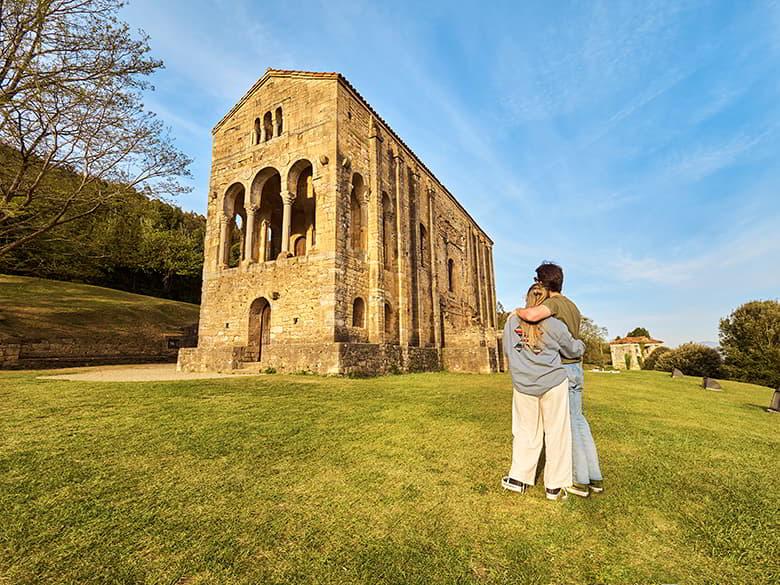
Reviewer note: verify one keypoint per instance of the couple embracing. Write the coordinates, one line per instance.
(544, 358)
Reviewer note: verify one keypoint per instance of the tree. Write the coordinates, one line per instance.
(595, 339)
(72, 121)
(750, 341)
(502, 315)
(132, 243)
(638, 332)
(692, 359)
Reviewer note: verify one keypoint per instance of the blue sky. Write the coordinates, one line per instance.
(635, 143)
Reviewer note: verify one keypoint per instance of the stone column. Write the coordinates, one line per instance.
(491, 285)
(485, 282)
(376, 292)
(263, 241)
(249, 245)
(287, 200)
(478, 259)
(432, 239)
(413, 205)
(403, 260)
(223, 237)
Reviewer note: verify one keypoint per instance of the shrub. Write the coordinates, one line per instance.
(627, 358)
(652, 360)
(692, 359)
(665, 362)
(750, 339)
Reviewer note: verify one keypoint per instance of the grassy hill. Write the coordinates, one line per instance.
(303, 479)
(33, 309)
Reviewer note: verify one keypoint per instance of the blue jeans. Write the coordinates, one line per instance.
(585, 458)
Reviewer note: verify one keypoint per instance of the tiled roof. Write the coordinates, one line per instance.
(643, 339)
(339, 77)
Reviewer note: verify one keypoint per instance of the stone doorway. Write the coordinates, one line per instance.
(300, 246)
(259, 328)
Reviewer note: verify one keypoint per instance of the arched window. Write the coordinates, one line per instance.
(451, 275)
(389, 325)
(388, 230)
(357, 224)
(266, 194)
(423, 244)
(235, 212)
(268, 126)
(304, 207)
(257, 133)
(279, 121)
(236, 249)
(358, 313)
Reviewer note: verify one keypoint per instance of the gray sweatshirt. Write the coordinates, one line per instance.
(536, 373)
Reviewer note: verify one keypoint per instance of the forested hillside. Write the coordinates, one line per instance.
(131, 242)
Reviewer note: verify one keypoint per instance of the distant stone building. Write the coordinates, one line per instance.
(330, 247)
(636, 348)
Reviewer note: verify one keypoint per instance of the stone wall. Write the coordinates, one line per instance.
(9, 355)
(72, 352)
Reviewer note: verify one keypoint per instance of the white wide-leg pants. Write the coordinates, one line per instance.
(538, 420)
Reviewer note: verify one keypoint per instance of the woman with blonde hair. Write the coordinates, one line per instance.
(540, 402)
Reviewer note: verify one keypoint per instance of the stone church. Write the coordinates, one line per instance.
(330, 247)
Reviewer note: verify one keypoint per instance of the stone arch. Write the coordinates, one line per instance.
(268, 127)
(257, 132)
(259, 328)
(303, 220)
(389, 247)
(357, 213)
(234, 209)
(266, 196)
(358, 313)
(279, 121)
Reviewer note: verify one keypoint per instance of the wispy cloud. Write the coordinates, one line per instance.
(733, 258)
(178, 121)
(705, 160)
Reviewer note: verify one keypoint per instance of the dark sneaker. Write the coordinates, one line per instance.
(580, 490)
(596, 486)
(557, 493)
(513, 485)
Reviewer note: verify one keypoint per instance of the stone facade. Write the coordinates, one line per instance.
(330, 247)
(636, 348)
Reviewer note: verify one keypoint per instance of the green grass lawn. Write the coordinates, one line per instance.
(40, 309)
(302, 479)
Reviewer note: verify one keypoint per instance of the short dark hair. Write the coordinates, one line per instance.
(550, 276)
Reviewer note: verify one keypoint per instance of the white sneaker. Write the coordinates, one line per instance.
(557, 493)
(513, 485)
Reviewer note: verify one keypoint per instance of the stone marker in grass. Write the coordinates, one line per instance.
(676, 373)
(774, 406)
(710, 384)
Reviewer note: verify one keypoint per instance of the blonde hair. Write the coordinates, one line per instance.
(535, 296)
